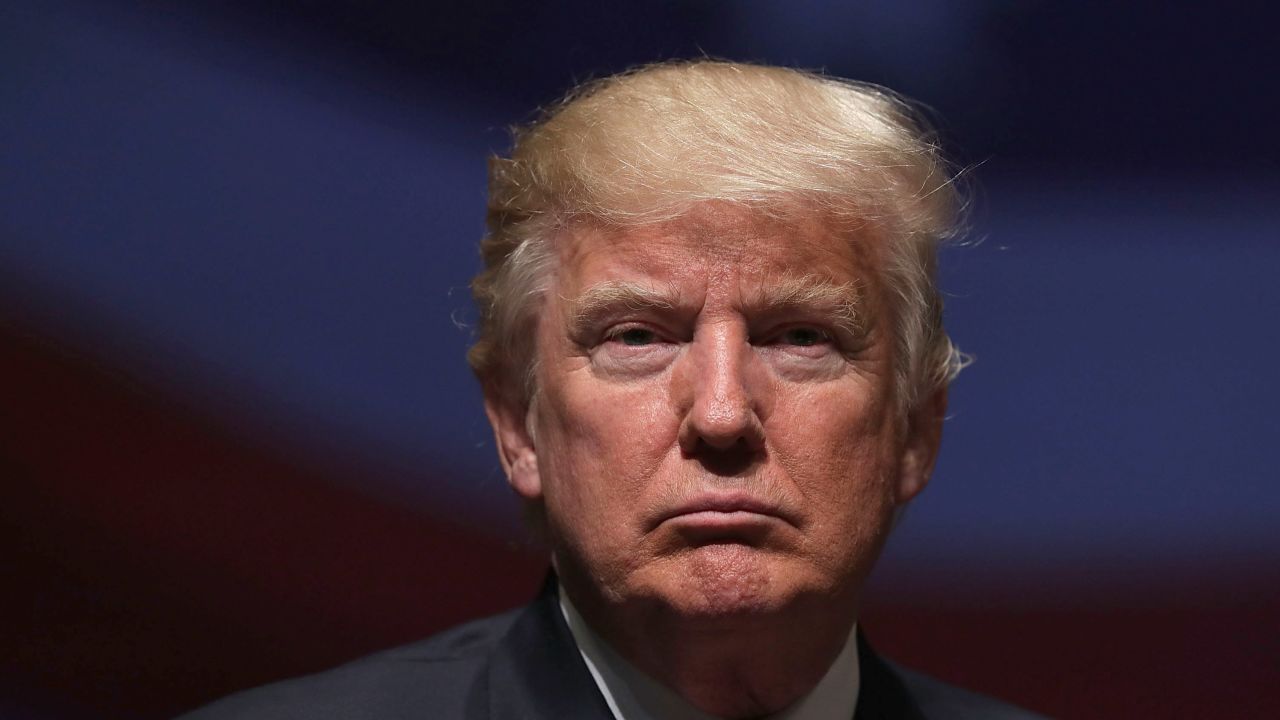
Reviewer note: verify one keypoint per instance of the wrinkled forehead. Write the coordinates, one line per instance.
(714, 240)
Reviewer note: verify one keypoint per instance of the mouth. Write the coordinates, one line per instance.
(723, 514)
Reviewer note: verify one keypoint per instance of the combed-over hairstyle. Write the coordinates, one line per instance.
(645, 145)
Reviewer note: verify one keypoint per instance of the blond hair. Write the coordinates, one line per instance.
(645, 145)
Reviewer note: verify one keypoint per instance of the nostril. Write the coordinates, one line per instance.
(731, 461)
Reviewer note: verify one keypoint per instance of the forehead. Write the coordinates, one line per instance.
(714, 241)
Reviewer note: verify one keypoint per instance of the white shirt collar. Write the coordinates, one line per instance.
(632, 695)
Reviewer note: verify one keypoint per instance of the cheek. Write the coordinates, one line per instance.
(844, 418)
(838, 447)
(598, 449)
(598, 453)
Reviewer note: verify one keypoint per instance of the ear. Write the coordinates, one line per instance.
(516, 450)
(920, 447)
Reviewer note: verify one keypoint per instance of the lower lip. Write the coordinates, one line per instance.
(716, 519)
(708, 527)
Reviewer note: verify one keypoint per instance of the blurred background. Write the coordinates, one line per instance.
(238, 440)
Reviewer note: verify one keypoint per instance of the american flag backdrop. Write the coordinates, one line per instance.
(239, 441)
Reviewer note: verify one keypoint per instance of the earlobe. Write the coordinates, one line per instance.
(523, 475)
(920, 449)
(516, 450)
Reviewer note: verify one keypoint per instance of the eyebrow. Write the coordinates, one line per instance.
(841, 302)
(604, 297)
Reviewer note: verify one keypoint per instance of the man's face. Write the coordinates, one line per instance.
(715, 429)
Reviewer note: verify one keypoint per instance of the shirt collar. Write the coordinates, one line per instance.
(633, 695)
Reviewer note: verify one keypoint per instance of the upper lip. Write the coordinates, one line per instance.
(725, 502)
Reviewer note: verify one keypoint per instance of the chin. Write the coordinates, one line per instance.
(730, 581)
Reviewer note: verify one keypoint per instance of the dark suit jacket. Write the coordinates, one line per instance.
(524, 665)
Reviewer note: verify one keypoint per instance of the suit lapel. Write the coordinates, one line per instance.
(537, 673)
(881, 694)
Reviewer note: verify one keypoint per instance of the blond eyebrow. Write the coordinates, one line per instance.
(609, 295)
(841, 301)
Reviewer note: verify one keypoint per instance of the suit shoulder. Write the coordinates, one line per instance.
(443, 673)
(939, 700)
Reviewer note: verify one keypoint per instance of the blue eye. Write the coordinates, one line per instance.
(804, 337)
(636, 337)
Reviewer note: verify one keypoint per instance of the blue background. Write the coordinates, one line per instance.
(269, 211)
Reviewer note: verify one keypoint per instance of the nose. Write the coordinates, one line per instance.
(721, 395)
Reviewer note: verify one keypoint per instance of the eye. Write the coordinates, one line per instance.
(633, 350)
(634, 336)
(803, 337)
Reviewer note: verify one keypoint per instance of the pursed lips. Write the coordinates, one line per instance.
(716, 507)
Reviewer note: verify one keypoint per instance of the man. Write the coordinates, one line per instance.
(712, 354)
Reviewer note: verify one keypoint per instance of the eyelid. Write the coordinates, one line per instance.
(615, 332)
(774, 334)
(619, 328)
